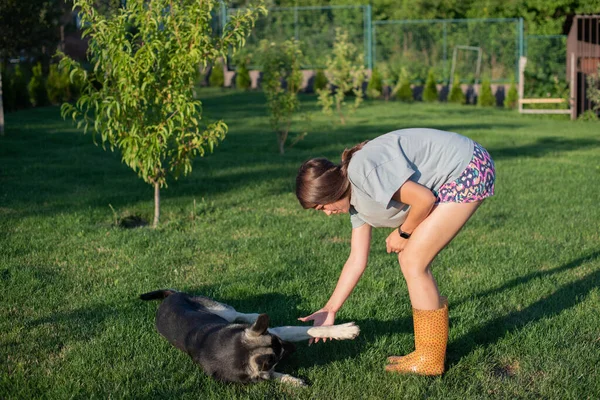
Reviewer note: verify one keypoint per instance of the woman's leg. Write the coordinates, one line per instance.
(430, 312)
(430, 237)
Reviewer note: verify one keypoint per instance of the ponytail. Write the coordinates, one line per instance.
(347, 156)
(320, 182)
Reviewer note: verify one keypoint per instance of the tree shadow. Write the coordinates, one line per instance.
(542, 147)
(564, 298)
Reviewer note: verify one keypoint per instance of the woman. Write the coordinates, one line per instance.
(426, 184)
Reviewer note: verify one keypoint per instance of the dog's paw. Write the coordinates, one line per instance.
(292, 381)
(346, 331)
(339, 332)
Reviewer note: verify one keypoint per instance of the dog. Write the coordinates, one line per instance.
(231, 346)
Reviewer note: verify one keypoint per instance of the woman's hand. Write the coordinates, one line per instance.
(394, 243)
(323, 317)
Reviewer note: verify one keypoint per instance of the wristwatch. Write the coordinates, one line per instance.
(403, 234)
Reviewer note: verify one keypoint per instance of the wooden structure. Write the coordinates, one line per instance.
(522, 63)
(583, 58)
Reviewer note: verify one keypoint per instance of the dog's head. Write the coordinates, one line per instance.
(264, 349)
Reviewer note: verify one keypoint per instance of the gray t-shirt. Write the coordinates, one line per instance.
(429, 157)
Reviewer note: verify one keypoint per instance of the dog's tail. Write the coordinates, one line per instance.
(157, 294)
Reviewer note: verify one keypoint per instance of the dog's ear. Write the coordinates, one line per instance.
(260, 326)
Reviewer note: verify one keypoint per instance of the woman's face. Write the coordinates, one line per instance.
(341, 206)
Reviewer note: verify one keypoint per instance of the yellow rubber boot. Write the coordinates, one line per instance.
(431, 338)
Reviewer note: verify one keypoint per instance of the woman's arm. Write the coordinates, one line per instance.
(360, 243)
(351, 273)
(421, 201)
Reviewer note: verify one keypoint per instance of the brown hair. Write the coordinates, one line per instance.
(321, 182)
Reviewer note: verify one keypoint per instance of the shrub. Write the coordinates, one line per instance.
(217, 75)
(242, 78)
(321, 80)
(430, 93)
(58, 86)
(593, 90)
(588, 115)
(374, 87)
(456, 95)
(486, 97)
(402, 90)
(37, 87)
(512, 97)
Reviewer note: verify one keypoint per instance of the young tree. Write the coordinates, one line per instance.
(486, 97)
(512, 97)
(402, 90)
(346, 73)
(139, 97)
(456, 94)
(281, 82)
(430, 93)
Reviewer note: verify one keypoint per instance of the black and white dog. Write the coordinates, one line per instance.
(232, 346)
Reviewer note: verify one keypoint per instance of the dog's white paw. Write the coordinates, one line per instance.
(339, 332)
(290, 380)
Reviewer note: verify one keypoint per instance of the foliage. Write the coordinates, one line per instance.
(14, 88)
(58, 85)
(217, 74)
(593, 90)
(242, 77)
(486, 97)
(37, 87)
(430, 93)
(347, 74)
(402, 91)
(588, 115)
(456, 95)
(320, 80)
(30, 26)
(512, 97)
(281, 82)
(145, 58)
(374, 88)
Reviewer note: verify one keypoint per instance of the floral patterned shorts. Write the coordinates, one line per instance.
(474, 184)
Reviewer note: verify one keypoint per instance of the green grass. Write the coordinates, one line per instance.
(522, 277)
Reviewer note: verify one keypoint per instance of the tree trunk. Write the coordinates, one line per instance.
(1, 108)
(340, 113)
(156, 204)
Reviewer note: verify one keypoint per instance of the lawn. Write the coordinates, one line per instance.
(522, 277)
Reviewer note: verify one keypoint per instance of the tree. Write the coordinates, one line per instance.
(139, 96)
(486, 97)
(281, 82)
(346, 73)
(430, 93)
(374, 88)
(402, 90)
(512, 97)
(456, 94)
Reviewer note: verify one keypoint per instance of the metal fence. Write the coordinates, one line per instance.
(443, 45)
(447, 45)
(546, 69)
(314, 28)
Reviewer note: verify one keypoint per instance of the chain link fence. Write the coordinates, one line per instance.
(314, 28)
(546, 69)
(463, 46)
